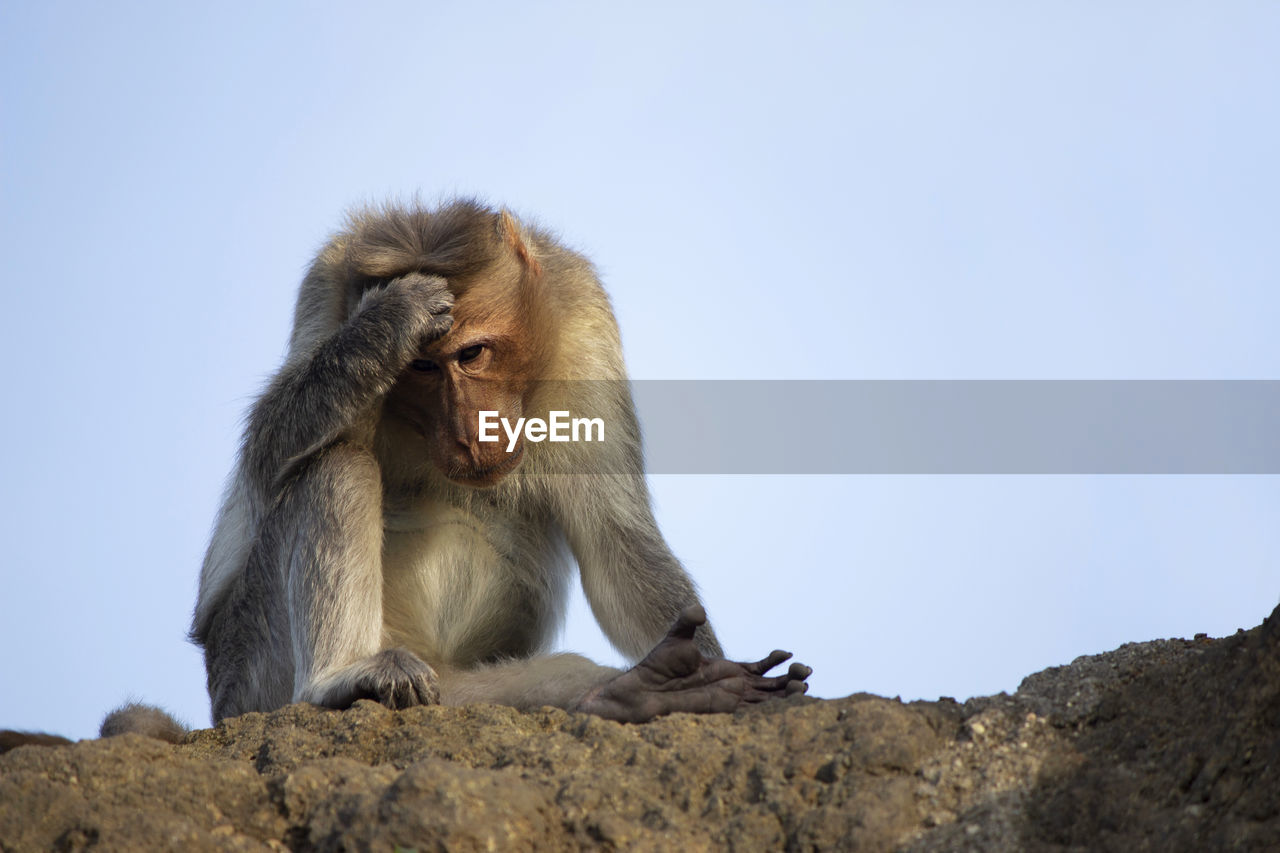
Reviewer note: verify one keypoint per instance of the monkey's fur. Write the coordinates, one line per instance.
(142, 719)
(369, 546)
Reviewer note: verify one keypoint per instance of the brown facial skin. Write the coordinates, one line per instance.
(478, 366)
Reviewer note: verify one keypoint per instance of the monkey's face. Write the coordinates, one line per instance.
(441, 394)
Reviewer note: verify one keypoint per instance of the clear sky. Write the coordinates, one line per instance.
(834, 191)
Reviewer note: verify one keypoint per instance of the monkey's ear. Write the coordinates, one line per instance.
(513, 236)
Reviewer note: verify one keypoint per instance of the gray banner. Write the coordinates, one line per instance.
(956, 427)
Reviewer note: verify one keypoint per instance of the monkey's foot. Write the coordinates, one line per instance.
(676, 677)
(394, 677)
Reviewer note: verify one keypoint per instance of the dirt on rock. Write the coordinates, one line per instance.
(1163, 746)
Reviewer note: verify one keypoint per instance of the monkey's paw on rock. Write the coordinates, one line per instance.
(395, 678)
(676, 677)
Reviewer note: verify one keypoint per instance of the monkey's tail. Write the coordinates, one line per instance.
(144, 720)
(130, 717)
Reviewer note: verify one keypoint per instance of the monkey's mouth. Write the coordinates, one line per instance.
(467, 473)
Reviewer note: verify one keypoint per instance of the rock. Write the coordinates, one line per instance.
(1166, 745)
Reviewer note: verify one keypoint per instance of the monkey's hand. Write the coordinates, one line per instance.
(424, 301)
(676, 677)
(394, 677)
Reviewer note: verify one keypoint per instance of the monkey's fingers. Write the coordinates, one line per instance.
(792, 683)
(430, 294)
(395, 678)
(799, 671)
(760, 667)
(676, 656)
(721, 672)
(797, 674)
(430, 291)
(688, 621)
(408, 693)
(440, 326)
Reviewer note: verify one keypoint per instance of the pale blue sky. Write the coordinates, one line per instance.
(878, 191)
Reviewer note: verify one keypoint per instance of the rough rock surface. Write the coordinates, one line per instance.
(1166, 745)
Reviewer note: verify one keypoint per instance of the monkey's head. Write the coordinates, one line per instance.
(525, 309)
(490, 360)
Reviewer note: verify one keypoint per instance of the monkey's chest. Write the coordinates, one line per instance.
(461, 589)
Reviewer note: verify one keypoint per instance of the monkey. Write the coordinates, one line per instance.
(370, 544)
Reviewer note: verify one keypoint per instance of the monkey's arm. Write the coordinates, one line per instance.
(315, 400)
(634, 584)
(636, 587)
(290, 590)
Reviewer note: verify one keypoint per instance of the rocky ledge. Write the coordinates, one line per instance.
(1165, 745)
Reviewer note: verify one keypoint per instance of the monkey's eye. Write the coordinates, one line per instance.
(424, 365)
(470, 353)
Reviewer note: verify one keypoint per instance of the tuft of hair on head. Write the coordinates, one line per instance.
(451, 241)
(144, 720)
